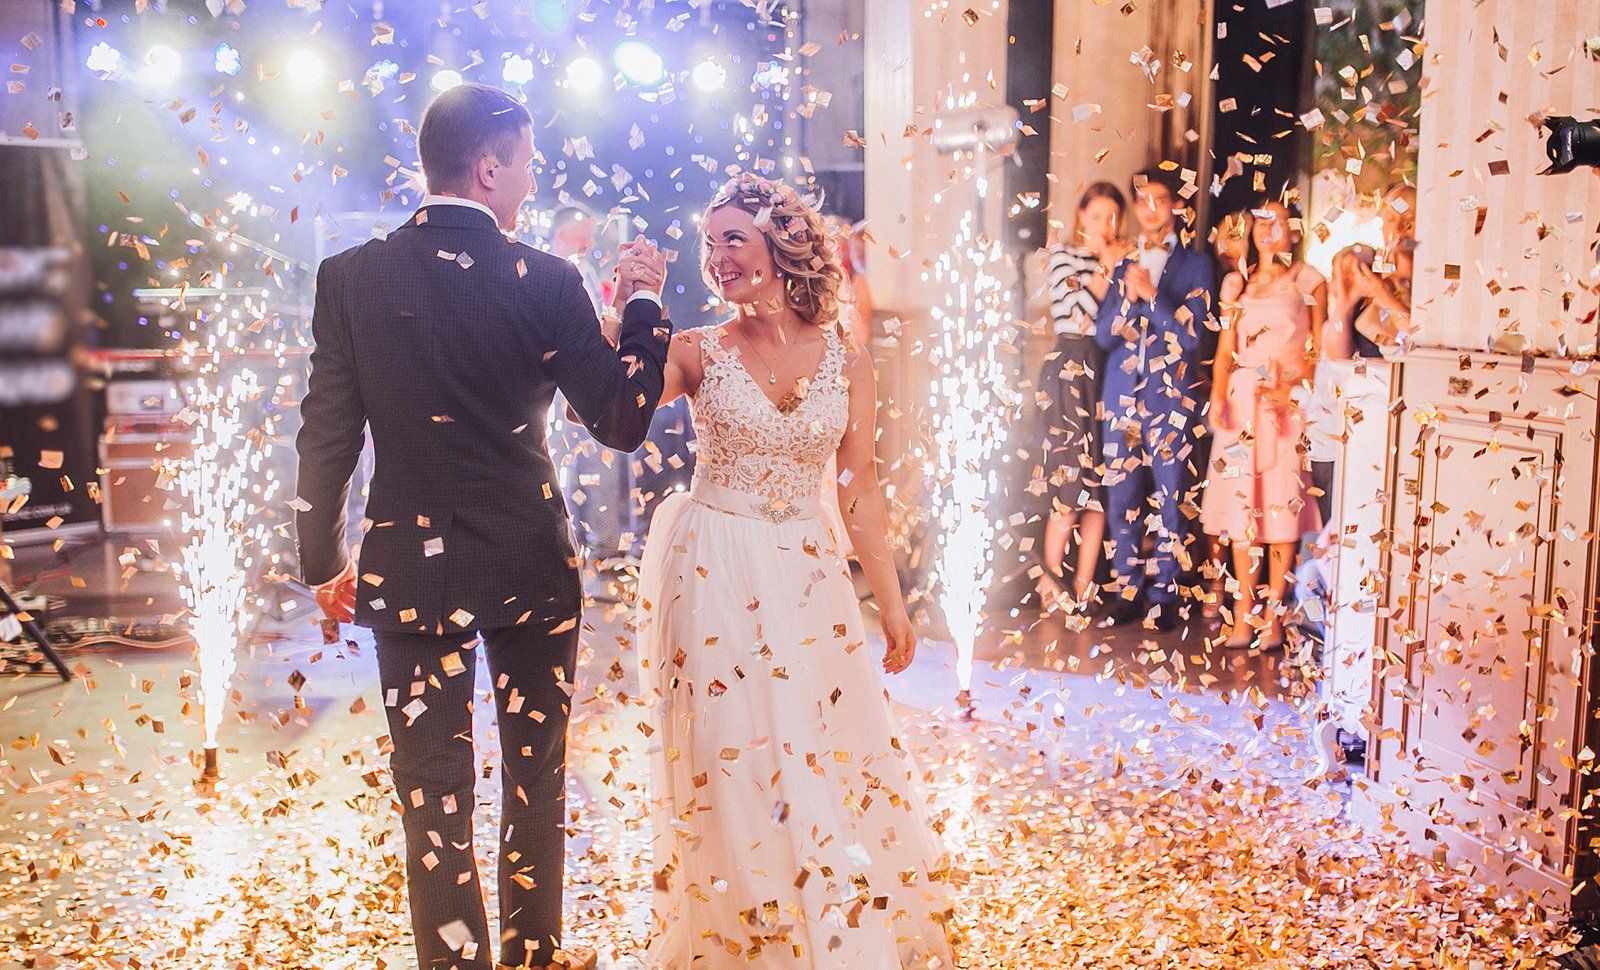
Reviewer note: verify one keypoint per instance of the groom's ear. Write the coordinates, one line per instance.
(483, 170)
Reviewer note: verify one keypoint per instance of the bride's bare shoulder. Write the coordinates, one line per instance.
(686, 354)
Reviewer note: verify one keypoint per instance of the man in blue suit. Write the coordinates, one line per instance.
(1151, 325)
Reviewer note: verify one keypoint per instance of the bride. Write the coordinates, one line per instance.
(787, 823)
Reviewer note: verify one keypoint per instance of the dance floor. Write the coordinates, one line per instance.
(1118, 801)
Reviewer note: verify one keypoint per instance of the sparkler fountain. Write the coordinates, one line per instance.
(970, 394)
(221, 534)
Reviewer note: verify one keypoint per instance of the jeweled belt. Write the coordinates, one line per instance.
(753, 506)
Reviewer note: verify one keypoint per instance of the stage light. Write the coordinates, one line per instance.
(585, 73)
(709, 76)
(227, 60)
(104, 59)
(304, 69)
(445, 80)
(161, 66)
(517, 70)
(639, 63)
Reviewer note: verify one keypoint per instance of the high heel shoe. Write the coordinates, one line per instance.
(1052, 595)
(1277, 630)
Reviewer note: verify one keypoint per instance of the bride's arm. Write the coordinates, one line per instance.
(865, 514)
(683, 371)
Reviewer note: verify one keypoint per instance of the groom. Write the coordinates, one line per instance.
(448, 342)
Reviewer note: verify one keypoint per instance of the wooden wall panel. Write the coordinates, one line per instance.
(1104, 125)
(919, 54)
(1489, 68)
(1483, 690)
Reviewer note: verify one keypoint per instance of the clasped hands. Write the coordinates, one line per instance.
(1140, 285)
(640, 266)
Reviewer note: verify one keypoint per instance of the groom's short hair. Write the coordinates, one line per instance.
(461, 126)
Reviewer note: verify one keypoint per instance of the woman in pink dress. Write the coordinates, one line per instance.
(1256, 497)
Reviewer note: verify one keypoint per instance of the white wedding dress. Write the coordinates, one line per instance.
(789, 828)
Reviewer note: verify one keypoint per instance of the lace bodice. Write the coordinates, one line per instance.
(746, 443)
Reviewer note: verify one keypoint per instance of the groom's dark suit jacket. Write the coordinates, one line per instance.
(449, 342)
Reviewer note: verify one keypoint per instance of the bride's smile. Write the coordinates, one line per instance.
(736, 264)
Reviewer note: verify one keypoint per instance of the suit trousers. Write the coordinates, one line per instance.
(1146, 477)
(428, 691)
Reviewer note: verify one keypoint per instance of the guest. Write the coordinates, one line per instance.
(855, 323)
(572, 238)
(1079, 275)
(1368, 312)
(1273, 311)
(855, 296)
(1324, 407)
(1380, 290)
(595, 480)
(1231, 239)
(1150, 327)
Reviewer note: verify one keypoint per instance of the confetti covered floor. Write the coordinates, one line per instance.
(1099, 820)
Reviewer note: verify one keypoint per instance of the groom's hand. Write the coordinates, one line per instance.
(337, 596)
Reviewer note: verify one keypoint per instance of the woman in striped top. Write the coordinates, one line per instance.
(1079, 273)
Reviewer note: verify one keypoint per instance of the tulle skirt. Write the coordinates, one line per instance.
(789, 828)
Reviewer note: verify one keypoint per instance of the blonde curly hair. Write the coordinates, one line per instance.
(804, 252)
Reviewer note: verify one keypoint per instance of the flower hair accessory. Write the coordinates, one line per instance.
(770, 191)
(772, 194)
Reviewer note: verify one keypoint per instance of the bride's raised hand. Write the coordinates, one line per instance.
(901, 641)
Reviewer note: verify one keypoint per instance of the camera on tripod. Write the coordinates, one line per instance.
(1572, 143)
